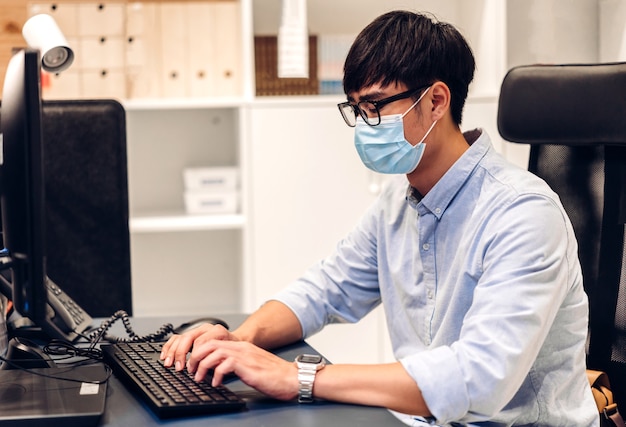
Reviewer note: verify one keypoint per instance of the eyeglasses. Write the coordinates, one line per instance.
(370, 110)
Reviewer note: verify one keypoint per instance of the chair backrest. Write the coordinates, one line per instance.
(574, 118)
(88, 244)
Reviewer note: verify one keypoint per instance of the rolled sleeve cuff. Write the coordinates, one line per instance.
(310, 321)
(440, 380)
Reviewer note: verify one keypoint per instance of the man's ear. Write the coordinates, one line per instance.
(440, 96)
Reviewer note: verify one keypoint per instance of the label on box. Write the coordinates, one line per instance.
(197, 202)
(211, 179)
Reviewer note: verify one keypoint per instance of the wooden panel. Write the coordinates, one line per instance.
(12, 18)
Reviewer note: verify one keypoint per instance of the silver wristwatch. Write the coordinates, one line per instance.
(308, 365)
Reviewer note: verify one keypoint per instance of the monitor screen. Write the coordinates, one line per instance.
(22, 184)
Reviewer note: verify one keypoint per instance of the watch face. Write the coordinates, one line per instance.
(309, 358)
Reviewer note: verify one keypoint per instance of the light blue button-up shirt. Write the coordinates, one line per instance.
(482, 291)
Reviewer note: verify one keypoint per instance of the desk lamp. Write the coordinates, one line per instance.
(42, 32)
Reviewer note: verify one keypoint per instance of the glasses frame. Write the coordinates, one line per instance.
(378, 104)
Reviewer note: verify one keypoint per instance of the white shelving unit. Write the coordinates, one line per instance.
(185, 264)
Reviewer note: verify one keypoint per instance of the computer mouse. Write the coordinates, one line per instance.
(24, 353)
(197, 322)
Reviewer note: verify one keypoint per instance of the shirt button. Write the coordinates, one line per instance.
(425, 246)
(438, 211)
(429, 294)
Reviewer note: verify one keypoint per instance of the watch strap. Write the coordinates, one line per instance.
(306, 379)
(308, 365)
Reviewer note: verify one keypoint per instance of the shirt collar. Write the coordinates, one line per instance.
(440, 196)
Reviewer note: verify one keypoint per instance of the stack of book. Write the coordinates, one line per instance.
(266, 70)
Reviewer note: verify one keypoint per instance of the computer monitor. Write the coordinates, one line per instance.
(22, 184)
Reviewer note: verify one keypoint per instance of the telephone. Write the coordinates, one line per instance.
(64, 320)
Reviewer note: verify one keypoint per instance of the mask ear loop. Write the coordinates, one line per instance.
(427, 132)
(416, 102)
(411, 107)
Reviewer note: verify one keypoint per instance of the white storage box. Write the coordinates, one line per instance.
(211, 179)
(199, 202)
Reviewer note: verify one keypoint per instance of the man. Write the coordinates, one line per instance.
(474, 261)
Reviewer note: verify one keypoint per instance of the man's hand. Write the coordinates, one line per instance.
(214, 347)
(175, 350)
(254, 366)
(242, 351)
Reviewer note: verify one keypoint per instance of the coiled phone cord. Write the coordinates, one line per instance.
(101, 332)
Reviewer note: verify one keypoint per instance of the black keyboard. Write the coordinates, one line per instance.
(168, 393)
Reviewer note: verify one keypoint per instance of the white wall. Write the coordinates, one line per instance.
(552, 31)
(612, 30)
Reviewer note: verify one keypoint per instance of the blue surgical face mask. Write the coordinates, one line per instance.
(384, 149)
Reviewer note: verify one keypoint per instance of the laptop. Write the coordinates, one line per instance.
(27, 399)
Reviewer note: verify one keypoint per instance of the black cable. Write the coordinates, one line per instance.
(101, 332)
(68, 350)
(41, 372)
(91, 354)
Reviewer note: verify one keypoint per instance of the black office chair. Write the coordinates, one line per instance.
(574, 118)
(88, 243)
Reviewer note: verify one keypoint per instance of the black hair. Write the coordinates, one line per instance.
(414, 49)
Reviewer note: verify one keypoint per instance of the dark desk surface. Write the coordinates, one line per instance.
(124, 409)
